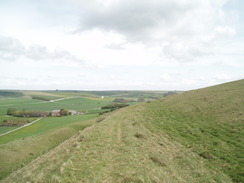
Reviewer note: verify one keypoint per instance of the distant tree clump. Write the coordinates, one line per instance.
(11, 111)
(112, 107)
(122, 100)
(40, 98)
(14, 112)
(64, 112)
(14, 122)
(169, 93)
(140, 99)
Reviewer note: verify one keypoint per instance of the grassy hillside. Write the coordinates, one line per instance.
(210, 122)
(196, 136)
(22, 146)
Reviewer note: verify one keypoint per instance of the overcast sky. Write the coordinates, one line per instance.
(120, 44)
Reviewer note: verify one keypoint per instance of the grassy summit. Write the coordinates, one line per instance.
(196, 136)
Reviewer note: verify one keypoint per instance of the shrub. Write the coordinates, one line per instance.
(40, 98)
(11, 111)
(114, 106)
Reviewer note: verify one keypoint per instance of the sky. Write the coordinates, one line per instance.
(120, 44)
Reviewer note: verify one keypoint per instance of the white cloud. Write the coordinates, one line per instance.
(120, 44)
(165, 77)
(10, 48)
(186, 28)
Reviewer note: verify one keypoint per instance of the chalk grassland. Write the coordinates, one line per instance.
(119, 149)
(209, 121)
(196, 136)
(22, 146)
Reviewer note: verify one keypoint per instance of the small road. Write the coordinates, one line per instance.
(28, 124)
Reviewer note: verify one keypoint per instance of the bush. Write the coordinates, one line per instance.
(114, 106)
(64, 112)
(11, 111)
(122, 100)
(40, 98)
(30, 114)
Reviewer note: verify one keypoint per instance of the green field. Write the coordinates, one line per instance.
(44, 125)
(196, 136)
(21, 146)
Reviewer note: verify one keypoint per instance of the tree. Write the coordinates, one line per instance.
(64, 112)
(11, 111)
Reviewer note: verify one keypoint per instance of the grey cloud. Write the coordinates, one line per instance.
(10, 48)
(41, 53)
(136, 19)
(159, 22)
(185, 52)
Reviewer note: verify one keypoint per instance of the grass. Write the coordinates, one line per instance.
(46, 124)
(196, 136)
(20, 147)
(79, 104)
(6, 129)
(208, 121)
(21, 121)
(4, 93)
(110, 152)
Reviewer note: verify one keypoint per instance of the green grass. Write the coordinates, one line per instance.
(119, 149)
(6, 129)
(45, 124)
(209, 121)
(196, 136)
(10, 93)
(20, 147)
(17, 119)
(80, 104)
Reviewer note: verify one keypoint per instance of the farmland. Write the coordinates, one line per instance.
(195, 136)
(48, 132)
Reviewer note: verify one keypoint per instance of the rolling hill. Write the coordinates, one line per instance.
(195, 136)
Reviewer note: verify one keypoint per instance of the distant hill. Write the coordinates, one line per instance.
(4, 93)
(195, 136)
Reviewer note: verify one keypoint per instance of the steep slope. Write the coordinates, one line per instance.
(209, 121)
(192, 137)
